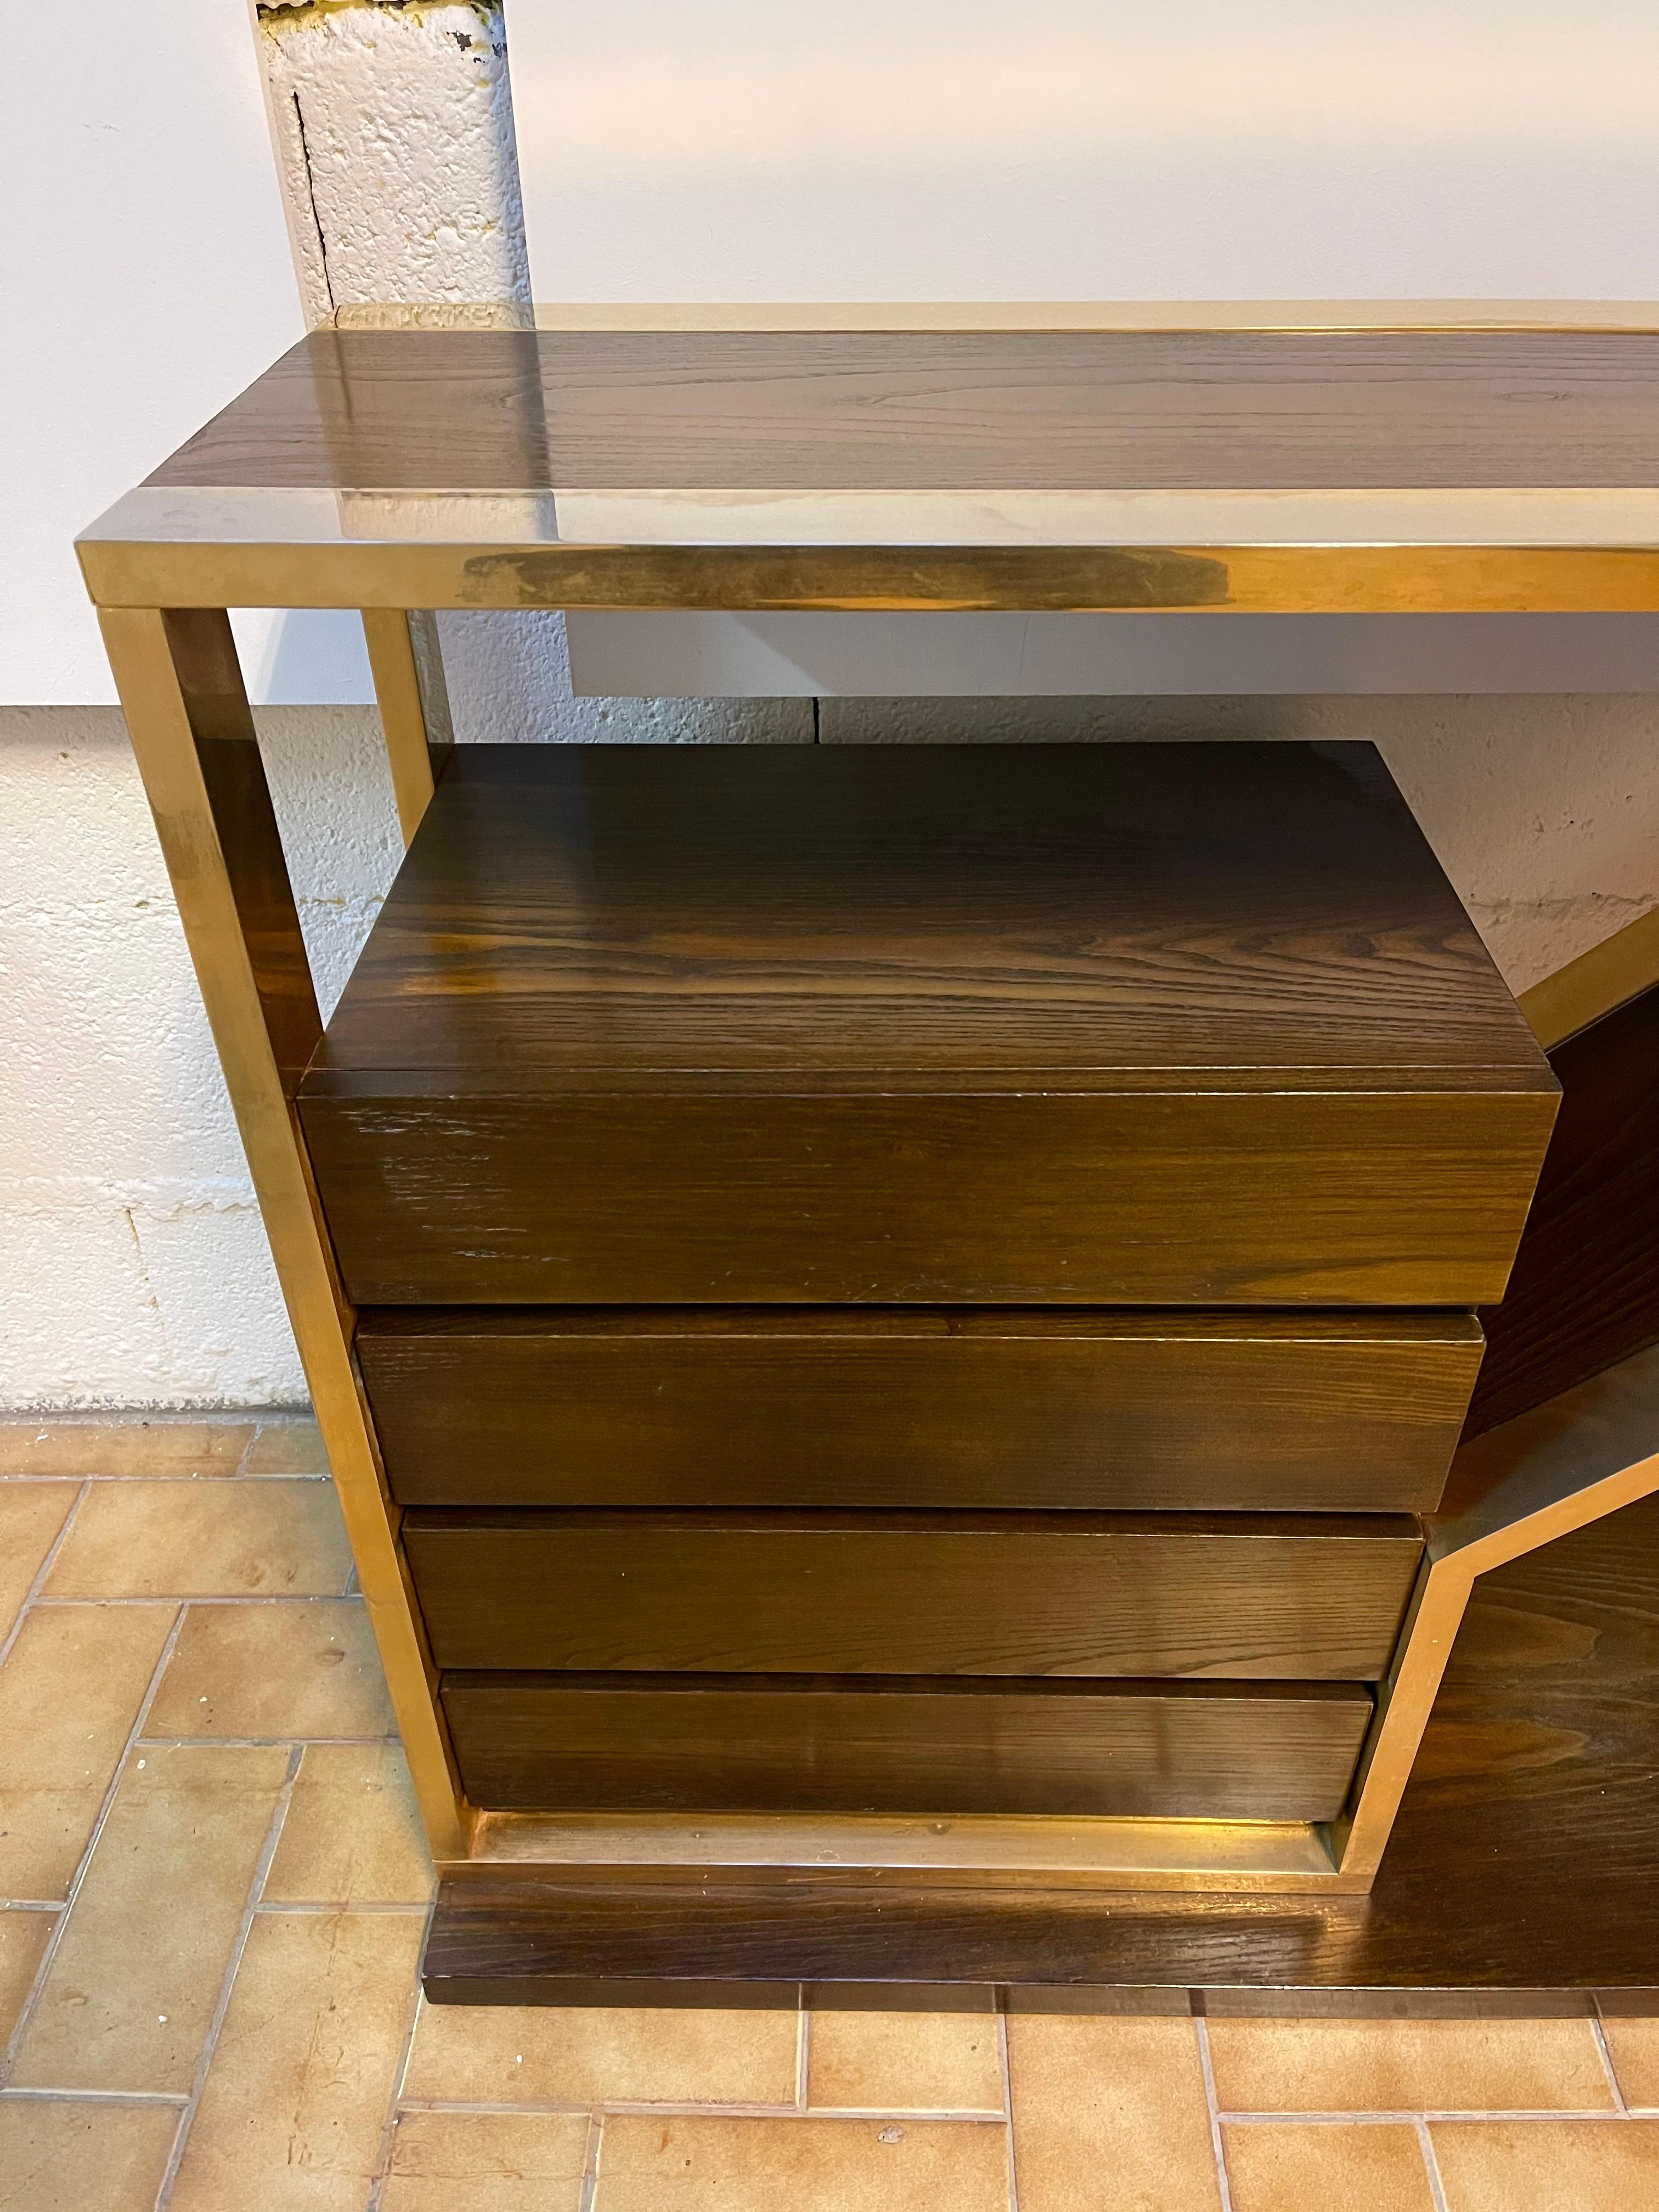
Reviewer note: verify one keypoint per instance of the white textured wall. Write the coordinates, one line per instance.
(137, 185)
(1089, 149)
(394, 132)
(134, 1265)
(135, 1268)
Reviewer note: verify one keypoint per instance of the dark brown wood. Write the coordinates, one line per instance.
(1525, 1859)
(1062, 1024)
(874, 1406)
(1241, 1596)
(1585, 1290)
(789, 1743)
(1340, 1199)
(630, 912)
(492, 410)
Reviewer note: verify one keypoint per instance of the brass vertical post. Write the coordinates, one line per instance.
(193, 732)
(407, 665)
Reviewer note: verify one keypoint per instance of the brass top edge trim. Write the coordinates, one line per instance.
(1525, 521)
(1172, 316)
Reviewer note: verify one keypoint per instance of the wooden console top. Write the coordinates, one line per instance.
(1459, 468)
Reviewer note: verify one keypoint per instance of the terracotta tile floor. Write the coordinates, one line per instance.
(212, 1891)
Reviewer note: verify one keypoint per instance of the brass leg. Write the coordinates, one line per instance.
(1540, 1476)
(1615, 970)
(1404, 1702)
(409, 683)
(188, 716)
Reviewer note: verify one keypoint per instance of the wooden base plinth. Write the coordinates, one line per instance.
(1525, 1862)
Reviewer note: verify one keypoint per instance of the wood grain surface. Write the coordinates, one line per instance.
(498, 410)
(572, 911)
(1525, 1860)
(1334, 1201)
(655, 1743)
(1138, 1025)
(873, 1407)
(1585, 1291)
(1238, 1596)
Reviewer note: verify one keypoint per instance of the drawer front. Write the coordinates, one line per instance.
(1196, 1751)
(1050, 1197)
(1242, 1597)
(729, 1407)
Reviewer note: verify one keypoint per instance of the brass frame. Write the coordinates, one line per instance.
(1570, 551)
(164, 568)
(1617, 970)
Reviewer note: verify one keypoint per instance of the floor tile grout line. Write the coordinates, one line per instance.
(318, 1908)
(26, 2016)
(175, 2152)
(1431, 2166)
(399, 2076)
(590, 2150)
(261, 1742)
(32, 1595)
(217, 1479)
(803, 2045)
(1612, 2071)
(24, 2094)
(979, 2114)
(686, 2109)
(276, 1475)
(1007, 2073)
(1223, 2186)
(1407, 2115)
(199, 1597)
(204, 2058)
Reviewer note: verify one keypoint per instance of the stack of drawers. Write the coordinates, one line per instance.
(929, 1280)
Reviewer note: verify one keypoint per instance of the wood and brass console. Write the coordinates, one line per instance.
(892, 1324)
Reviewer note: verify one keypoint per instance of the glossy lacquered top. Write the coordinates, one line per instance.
(1267, 469)
(704, 410)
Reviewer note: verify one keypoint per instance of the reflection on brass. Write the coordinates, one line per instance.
(180, 691)
(891, 578)
(1568, 1463)
(407, 665)
(1240, 580)
(1492, 519)
(1020, 1849)
(1617, 970)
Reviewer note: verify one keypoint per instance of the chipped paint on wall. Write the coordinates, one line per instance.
(393, 130)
